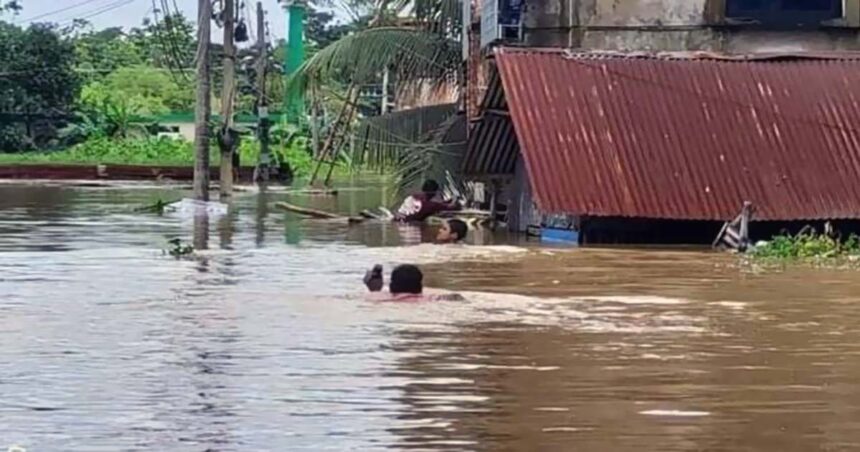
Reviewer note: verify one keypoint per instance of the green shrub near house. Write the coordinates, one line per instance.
(807, 246)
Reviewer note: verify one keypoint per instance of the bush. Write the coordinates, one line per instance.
(152, 151)
(807, 246)
(14, 139)
(164, 151)
(296, 154)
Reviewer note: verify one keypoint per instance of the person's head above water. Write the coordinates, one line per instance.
(452, 231)
(430, 187)
(406, 279)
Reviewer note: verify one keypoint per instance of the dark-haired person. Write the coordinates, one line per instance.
(420, 206)
(407, 284)
(452, 231)
(407, 281)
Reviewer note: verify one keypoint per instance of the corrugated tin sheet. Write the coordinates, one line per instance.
(492, 148)
(692, 138)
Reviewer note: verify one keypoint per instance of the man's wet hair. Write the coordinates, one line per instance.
(406, 279)
(458, 227)
(430, 186)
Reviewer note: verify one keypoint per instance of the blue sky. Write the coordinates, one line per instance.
(125, 13)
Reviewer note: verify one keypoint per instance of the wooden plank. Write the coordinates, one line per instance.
(314, 213)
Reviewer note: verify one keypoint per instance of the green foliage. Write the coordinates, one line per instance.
(291, 149)
(319, 30)
(10, 6)
(14, 138)
(102, 52)
(157, 207)
(362, 56)
(104, 112)
(146, 151)
(40, 70)
(148, 90)
(39, 78)
(170, 43)
(807, 246)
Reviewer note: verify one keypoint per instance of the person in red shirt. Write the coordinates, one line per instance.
(420, 206)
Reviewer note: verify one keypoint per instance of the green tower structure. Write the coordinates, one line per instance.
(294, 102)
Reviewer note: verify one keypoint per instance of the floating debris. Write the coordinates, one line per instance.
(179, 249)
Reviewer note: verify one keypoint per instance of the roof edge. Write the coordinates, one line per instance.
(683, 55)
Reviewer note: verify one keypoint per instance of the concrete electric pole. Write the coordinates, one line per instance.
(203, 108)
(228, 138)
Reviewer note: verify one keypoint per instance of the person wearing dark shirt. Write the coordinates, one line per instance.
(420, 206)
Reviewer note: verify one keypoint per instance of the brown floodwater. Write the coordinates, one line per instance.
(265, 339)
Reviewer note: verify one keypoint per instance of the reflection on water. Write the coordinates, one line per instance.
(265, 340)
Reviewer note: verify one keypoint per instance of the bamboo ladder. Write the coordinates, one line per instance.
(336, 137)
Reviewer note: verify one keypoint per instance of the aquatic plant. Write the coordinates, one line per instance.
(178, 249)
(806, 246)
(157, 207)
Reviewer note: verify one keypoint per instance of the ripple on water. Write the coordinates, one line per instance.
(265, 341)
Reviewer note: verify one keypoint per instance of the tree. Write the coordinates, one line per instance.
(168, 43)
(320, 31)
(39, 83)
(99, 53)
(10, 6)
(150, 89)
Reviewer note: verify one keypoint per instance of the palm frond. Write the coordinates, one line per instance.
(412, 145)
(362, 56)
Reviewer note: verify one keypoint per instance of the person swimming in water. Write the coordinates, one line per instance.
(407, 284)
(420, 206)
(452, 231)
(407, 281)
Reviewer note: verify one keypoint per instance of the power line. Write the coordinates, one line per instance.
(173, 60)
(97, 12)
(51, 13)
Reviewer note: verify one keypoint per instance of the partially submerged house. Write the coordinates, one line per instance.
(667, 147)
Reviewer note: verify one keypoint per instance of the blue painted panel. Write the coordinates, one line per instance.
(566, 236)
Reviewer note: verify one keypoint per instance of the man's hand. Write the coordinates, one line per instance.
(373, 279)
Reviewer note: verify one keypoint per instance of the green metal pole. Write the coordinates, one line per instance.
(294, 58)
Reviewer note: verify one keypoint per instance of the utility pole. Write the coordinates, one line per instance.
(228, 138)
(295, 56)
(203, 107)
(265, 163)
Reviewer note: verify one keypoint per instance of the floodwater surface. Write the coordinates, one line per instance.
(265, 339)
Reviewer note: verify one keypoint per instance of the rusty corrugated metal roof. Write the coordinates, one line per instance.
(687, 138)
